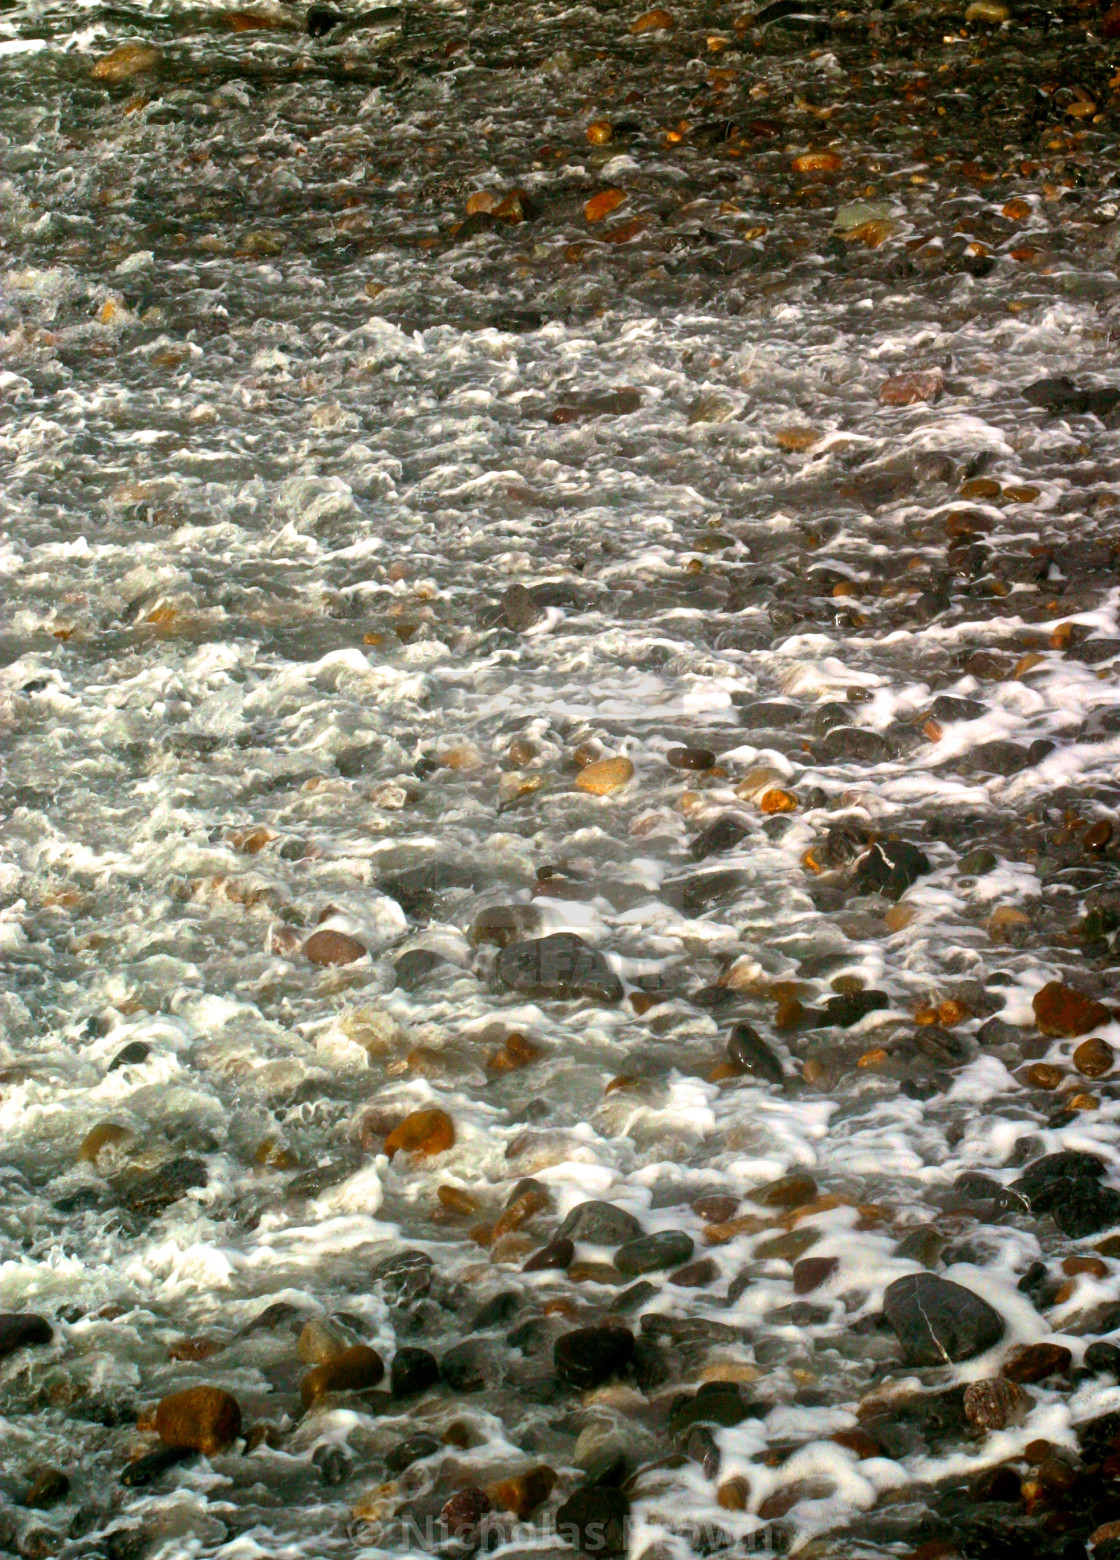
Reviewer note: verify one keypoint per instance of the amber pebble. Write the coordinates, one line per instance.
(788, 1015)
(860, 1441)
(723, 1072)
(107, 1134)
(351, 1371)
(1020, 495)
(733, 1494)
(790, 1191)
(194, 1349)
(327, 947)
(131, 59)
(601, 205)
(1041, 1075)
(1098, 835)
(873, 1058)
(796, 440)
(642, 1001)
(914, 386)
(818, 162)
(898, 917)
(1036, 1361)
(991, 1405)
(652, 21)
(423, 1132)
(1093, 1058)
(599, 132)
(1061, 1011)
(517, 1052)
(1083, 1102)
(593, 1273)
(719, 1232)
(1093, 1266)
(1027, 663)
(777, 801)
(605, 775)
(523, 1208)
(201, 1419)
(690, 758)
(483, 201)
(455, 1198)
(1016, 210)
(524, 1492)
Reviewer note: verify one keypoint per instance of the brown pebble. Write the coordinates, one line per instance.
(733, 1494)
(131, 59)
(777, 801)
(1093, 1058)
(811, 1272)
(716, 1208)
(1036, 1361)
(593, 1273)
(524, 1492)
(1041, 1075)
(327, 947)
(653, 21)
(1059, 1010)
(201, 1419)
(915, 386)
(790, 1191)
(351, 1371)
(557, 1254)
(1098, 836)
(990, 1405)
(788, 1015)
(194, 1349)
(860, 1441)
(515, 1053)
(48, 1486)
(424, 1132)
(697, 1275)
(601, 205)
(690, 758)
(818, 162)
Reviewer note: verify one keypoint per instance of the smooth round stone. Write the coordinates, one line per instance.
(413, 1370)
(938, 1322)
(690, 758)
(599, 1224)
(649, 1253)
(589, 1356)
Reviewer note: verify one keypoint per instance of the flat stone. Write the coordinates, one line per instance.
(749, 1052)
(589, 1356)
(599, 1224)
(1061, 1011)
(938, 1322)
(561, 966)
(200, 1419)
(649, 1253)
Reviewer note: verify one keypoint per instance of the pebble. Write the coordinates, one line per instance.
(1093, 1058)
(130, 1055)
(131, 59)
(199, 1419)
(648, 1253)
(321, 1341)
(992, 1405)
(697, 1275)
(463, 1512)
(599, 132)
(413, 1370)
(811, 1272)
(912, 387)
(354, 1370)
(938, 1322)
(1059, 1010)
(602, 204)
(562, 966)
(748, 1052)
(1037, 1361)
(328, 947)
(594, 1520)
(557, 1254)
(690, 758)
(599, 1224)
(992, 11)
(652, 21)
(589, 1356)
(107, 1134)
(523, 1493)
(605, 776)
(424, 1132)
(22, 1330)
(48, 1486)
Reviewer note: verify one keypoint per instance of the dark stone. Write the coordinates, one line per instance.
(333, 1463)
(472, 1365)
(416, 966)
(850, 1007)
(634, 1298)
(599, 1224)
(591, 1355)
(594, 1520)
(771, 716)
(499, 1310)
(559, 1253)
(747, 1049)
(131, 1055)
(701, 1447)
(923, 1423)
(519, 609)
(147, 1196)
(145, 1470)
(462, 1513)
(938, 1322)
(412, 1449)
(279, 1314)
(1102, 1358)
(948, 707)
(1066, 1186)
(1061, 397)
(352, 762)
(319, 1179)
(890, 867)
(694, 895)
(811, 1272)
(321, 19)
(697, 1275)
(561, 966)
(413, 1370)
(47, 1488)
(853, 745)
(609, 403)
(719, 1403)
(21, 1330)
(999, 757)
(650, 1253)
(724, 834)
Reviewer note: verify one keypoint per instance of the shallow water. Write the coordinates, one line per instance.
(278, 439)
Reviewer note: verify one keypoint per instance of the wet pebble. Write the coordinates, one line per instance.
(199, 1419)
